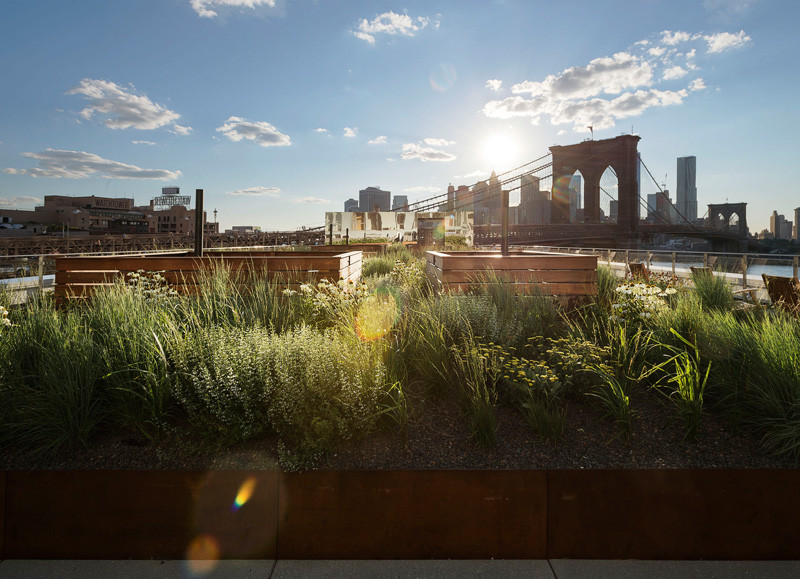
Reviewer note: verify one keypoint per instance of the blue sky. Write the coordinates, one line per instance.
(282, 109)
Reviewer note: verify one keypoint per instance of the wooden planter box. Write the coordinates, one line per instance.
(77, 277)
(571, 279)
(534, 514)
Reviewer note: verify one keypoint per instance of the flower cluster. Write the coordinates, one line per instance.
(4, 321)
(327, 301)
(639, 301)
(406, 273)
(150, 284)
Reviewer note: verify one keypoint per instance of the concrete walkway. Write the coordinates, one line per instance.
(559, 568)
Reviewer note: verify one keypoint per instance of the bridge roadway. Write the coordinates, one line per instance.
(48, 244)
(601, 234)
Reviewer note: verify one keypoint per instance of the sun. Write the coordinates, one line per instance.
(501, 151)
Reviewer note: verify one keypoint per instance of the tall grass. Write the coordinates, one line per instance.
(49, 381)
(713, 291)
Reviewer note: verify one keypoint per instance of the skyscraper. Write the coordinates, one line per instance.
(373, 199)
(687, 190)
(351, 205)
(575, 187)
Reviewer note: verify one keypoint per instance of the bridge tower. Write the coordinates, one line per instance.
(592, 158)
(719, 218)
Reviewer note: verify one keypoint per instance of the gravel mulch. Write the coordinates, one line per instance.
(438, 438)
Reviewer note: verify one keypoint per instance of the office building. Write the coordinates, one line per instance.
(400, 202)
(686, 191)
(373, 199)
(351, 205)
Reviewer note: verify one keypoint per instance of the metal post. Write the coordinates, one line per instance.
(504, 222)
(347, 236)
(673, 264)
(649, 259)
(330, 234)
(41, 274)
(794, 266)
(744, 270)
(198, 223)
(705, 260)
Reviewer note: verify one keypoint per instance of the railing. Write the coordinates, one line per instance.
(743, 269)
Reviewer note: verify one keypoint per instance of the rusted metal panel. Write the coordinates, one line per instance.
(674, 514)
(140, 515)
(412, 514)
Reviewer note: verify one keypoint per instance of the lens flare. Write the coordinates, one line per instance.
(244, 494)
(376, 315)
(561, 189)
(202, 555)
(443, 77)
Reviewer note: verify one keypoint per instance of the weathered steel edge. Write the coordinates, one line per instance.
(599, 514)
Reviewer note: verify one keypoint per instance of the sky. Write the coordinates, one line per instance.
(280, 110)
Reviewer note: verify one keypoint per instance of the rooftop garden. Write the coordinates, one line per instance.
(386, 373)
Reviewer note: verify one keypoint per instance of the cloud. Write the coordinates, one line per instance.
(121, 108)
(204, 8)
(389, 23)
(321, 130)
(494, 84)
(597, 112)
(19, 201)
(423, 189)
(264, 134)
(350, 132)
(151, 143)
(610, 75)
(726, 41)
(258, 191)
(181, 130)
(674, 72)
(57, 164)
(381, 140)
(473, 175)
(697, 84)
(616, 87)
(561, 132)
(438, 142)
(674, 38)
(423, 153)
(311, 200)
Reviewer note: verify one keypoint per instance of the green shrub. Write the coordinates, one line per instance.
(312, 388)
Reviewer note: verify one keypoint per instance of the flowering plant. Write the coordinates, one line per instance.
(4, 317)
(639, 301)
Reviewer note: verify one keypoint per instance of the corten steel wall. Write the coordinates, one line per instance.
(602, 514)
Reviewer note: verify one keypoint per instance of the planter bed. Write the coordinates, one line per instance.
(79, 276)
(572, 279)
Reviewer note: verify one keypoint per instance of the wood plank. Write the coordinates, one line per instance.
(577, 275)
(519, 262)
(554, 289)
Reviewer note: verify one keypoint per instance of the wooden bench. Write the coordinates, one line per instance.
(638, 270)
(783, 292)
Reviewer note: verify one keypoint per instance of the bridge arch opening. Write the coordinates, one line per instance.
(609, 195)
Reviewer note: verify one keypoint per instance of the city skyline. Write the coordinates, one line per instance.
(283, 109)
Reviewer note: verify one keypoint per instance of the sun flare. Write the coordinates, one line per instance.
(501, 150)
